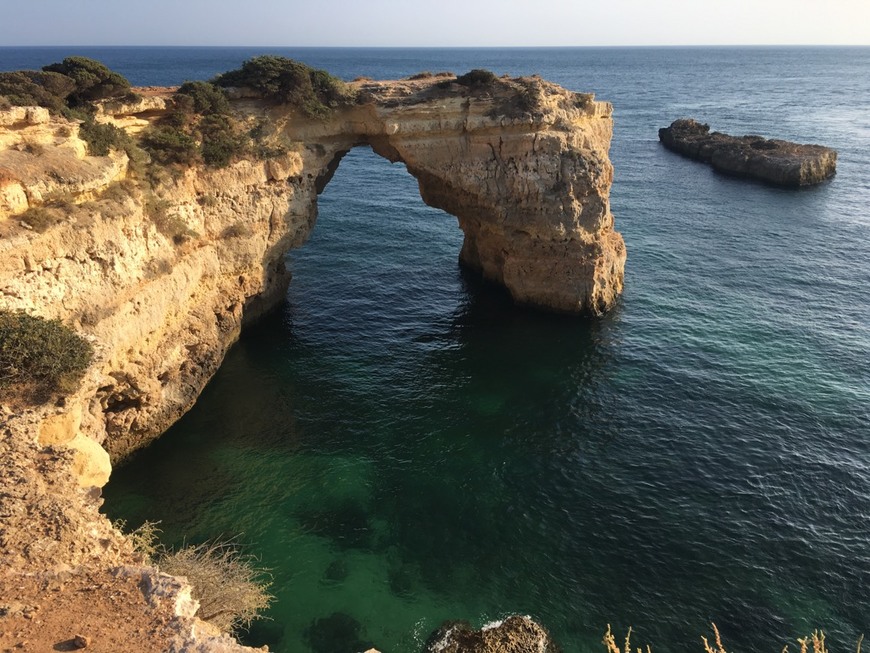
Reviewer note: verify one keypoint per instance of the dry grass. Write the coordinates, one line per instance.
(228, 585)
(816, 640)
(168, 223)
(610, 643)
(40, 218)
(231, 589)
(237, 230)
(719, 648)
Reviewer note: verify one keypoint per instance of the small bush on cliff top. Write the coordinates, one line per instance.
(229, 587)
(168, 144)
(314, 92)
(93, 80)
(477, 78)
(205, 98)
(101, 138)
(40, 356)
(199, 126)
(220, 142)
(30, 88)
(67, 88)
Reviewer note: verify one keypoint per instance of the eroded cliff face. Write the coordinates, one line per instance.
(162, 278)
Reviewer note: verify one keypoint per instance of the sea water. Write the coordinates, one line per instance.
(399, 445)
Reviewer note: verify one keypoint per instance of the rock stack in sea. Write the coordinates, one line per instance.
(774, 161)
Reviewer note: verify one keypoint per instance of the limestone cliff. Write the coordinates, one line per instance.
(161, 277)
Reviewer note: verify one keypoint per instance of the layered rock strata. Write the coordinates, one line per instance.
(161, 277)
(777, 162)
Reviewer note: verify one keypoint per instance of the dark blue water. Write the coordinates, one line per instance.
(402, 446)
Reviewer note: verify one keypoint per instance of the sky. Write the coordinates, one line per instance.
(445, 23)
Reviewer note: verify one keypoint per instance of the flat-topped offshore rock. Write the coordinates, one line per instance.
(770, 160)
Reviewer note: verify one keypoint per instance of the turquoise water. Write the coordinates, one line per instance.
(401, 446)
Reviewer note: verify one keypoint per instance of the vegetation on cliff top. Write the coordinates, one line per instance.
(68, 88)
(198, 127)
(39, 357)
(285, 81)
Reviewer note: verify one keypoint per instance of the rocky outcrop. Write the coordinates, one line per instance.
(516, 634)
(769, 160)
(161, 277)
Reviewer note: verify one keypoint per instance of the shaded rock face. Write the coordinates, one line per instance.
(516, 634)
(777, 162)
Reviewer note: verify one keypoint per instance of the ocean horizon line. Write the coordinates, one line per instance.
(454, 47)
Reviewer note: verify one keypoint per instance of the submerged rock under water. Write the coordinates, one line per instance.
(335, 633)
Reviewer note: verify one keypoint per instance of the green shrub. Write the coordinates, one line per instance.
(205, 97)
(93, 80)
(168, 144)
(66, 88)
(28, 88)
(314, 92)
(477, 78)
(39, 356)
(101, 138)
(220, 143)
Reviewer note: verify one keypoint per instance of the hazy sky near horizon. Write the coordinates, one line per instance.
(443, 23)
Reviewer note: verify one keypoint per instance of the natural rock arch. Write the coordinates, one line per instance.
(530, 189)
(522, 164)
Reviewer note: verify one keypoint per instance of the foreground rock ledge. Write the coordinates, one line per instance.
(162, 284)
(777, 162)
